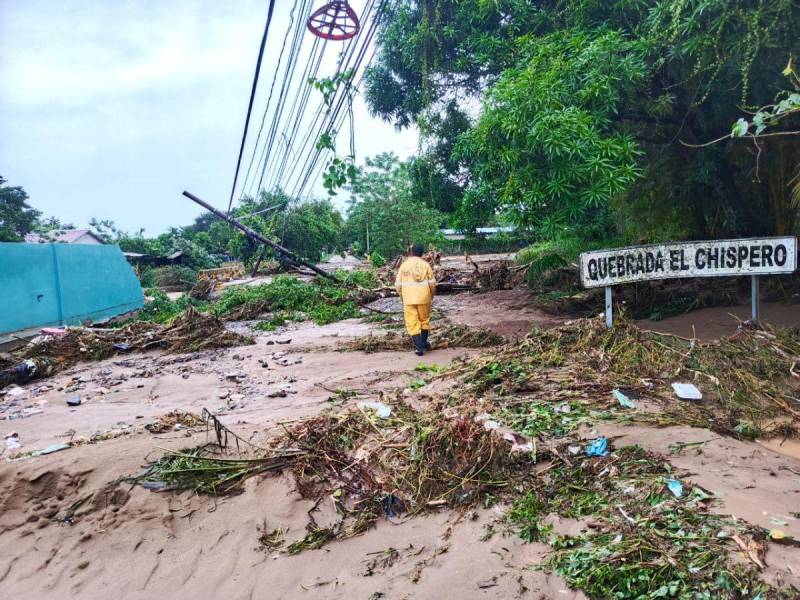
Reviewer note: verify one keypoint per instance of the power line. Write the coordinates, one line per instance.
(291, 66)
(252, 98)
(302, 94)
(269, 98)
(312, 156)
(344, 61)
(293, 53)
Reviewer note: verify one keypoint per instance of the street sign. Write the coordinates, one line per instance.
(713, 258)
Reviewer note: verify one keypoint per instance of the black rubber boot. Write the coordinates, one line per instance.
(419, 346)
(425, 343)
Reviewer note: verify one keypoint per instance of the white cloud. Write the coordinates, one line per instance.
(112, 108)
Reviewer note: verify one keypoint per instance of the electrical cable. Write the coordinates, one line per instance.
(309, 167)
(289, 69)
(252, 98)
(310, 162)
(344, 62)
(269, 98)
(286, 84)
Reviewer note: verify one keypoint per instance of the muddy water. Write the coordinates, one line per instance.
(712, 323)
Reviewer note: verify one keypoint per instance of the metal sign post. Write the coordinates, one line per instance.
(711, 258)
(755, 299)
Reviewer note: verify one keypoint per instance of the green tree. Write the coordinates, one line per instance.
(543, 150)
(17, 218)
(383, 215)
(695, 65)
(311, 229)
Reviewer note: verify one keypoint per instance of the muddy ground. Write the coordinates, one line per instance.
(129, 542)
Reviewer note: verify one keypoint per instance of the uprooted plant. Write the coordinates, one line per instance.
(644, 541)
(748, 380)
(192, 331)
(444, 335)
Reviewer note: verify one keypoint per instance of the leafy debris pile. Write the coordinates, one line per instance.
(642, 541)
(175, 420)
(495, 275)
(749, 380)
(205, 470)
(443, 336)
(192, 331)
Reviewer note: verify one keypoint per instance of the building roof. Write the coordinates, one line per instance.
(60, 236)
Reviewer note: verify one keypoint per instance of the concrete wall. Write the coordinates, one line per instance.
(63, 284)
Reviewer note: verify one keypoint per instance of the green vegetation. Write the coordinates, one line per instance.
(597, 117)
(384, 216)
(284, 299)
(650, 545)
(17, 218)
(199, 470)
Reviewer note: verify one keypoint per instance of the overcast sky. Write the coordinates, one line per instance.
(111, 109)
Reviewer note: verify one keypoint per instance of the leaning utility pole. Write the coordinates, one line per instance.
(258, 237)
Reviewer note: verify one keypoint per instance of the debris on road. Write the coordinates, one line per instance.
(192, 331)
(444, 335)
(597, 447)
(687, 391)
(623, 399)
(174, 421)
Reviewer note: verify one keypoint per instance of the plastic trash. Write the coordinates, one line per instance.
(12, 442)
(122, 347)
(392, 506)
(598, 447)
(676, 487)
(380, 408)
(54, 331)
(623, 399)
(687, 391)
(51, 449)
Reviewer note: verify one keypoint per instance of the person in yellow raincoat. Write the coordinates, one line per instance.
(416, 285)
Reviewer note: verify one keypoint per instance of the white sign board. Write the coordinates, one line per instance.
(713, 258)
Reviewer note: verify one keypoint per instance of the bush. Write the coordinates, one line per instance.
(169, 276)
(377, 260)
(160, 309)
(321, 301)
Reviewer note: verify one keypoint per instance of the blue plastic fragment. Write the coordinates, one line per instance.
(623, 399)
(598, 447)
(676, 487)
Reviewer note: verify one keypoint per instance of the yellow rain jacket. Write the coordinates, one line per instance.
(415, 283)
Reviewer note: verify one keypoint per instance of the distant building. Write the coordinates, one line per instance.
(64, 236)
(456, 234)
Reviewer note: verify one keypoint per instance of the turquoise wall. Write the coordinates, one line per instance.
(64, 284)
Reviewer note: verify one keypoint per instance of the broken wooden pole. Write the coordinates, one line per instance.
(252, 234)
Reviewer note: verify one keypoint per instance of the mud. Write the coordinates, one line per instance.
(712, 323)
(68, 531)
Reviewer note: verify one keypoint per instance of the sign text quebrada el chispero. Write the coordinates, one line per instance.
(713, 258)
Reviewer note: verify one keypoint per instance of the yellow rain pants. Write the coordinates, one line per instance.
(418, 317)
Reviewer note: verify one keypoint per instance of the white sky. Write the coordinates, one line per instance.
(110, 109)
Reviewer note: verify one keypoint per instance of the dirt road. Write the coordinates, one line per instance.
(68, 530)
